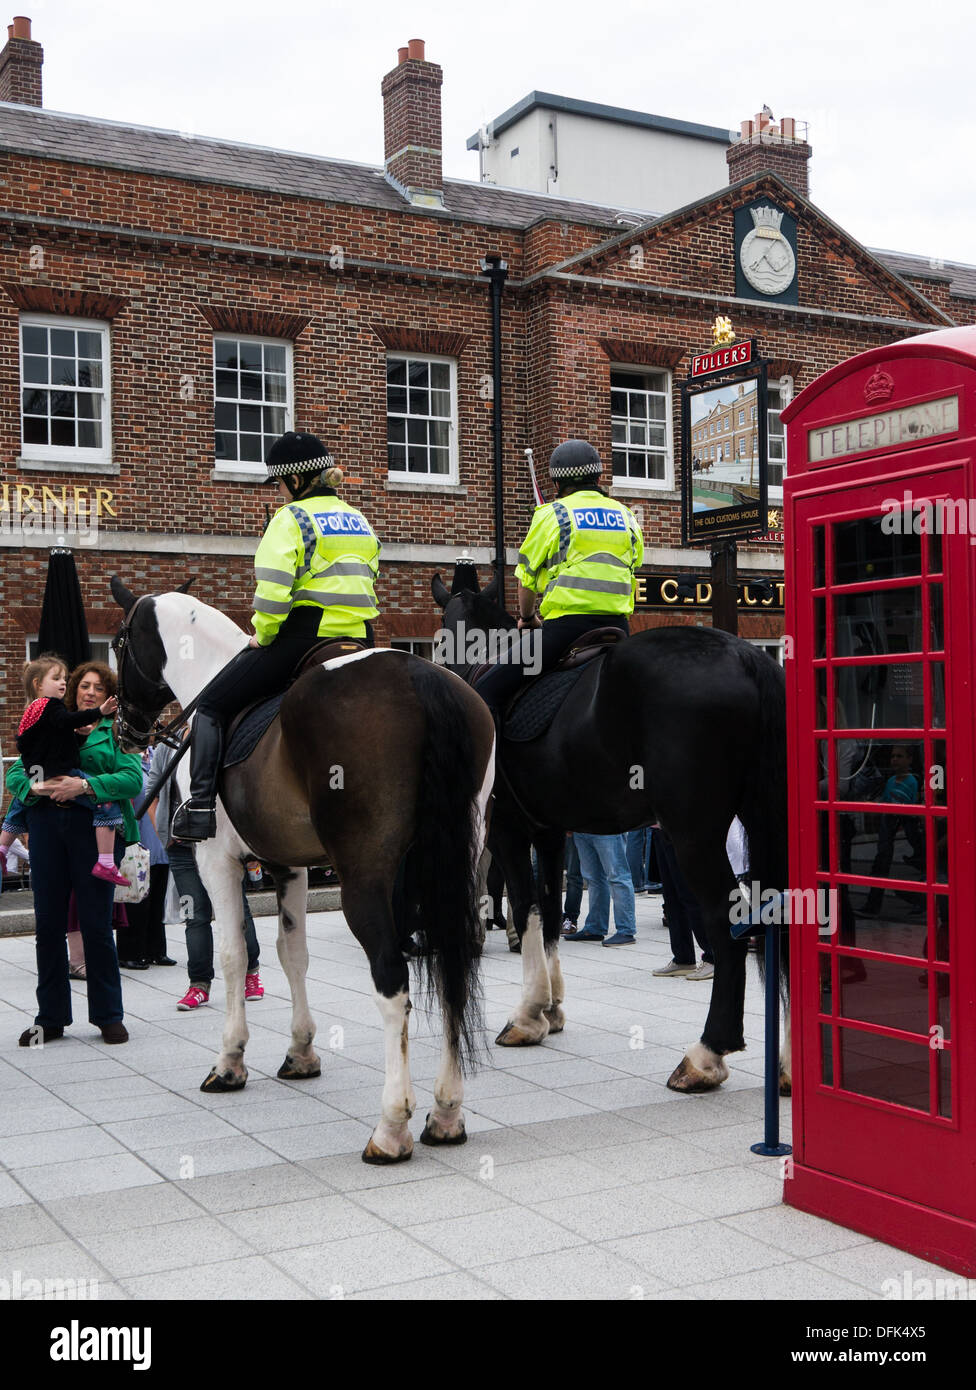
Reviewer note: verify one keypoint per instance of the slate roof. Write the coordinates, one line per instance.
(109, 144)
(961, 277)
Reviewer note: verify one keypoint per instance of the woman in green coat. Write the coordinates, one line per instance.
(62, 850)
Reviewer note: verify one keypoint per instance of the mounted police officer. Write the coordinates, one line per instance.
(316, 569)
(581, 554)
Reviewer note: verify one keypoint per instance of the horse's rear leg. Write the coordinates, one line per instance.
(552, 858)
(291, 887)
(221, 874)
(370, 918)
(528, 1024)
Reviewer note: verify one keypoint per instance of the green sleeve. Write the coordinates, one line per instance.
(122, 783)
(539, 550)
(18, 783)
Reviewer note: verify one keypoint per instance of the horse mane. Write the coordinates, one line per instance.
(483, 613)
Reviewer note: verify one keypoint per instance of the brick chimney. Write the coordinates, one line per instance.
(20, 65)
(764, 144)
(412, 126)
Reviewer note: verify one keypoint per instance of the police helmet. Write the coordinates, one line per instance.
(296, 453)
(574, 459)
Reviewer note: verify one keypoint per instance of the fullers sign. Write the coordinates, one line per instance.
(722, 359)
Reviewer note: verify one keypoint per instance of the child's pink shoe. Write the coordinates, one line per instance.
(111, 875)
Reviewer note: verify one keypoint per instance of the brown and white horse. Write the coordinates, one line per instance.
(380, 763)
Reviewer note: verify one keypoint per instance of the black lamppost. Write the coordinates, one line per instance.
(496, 271)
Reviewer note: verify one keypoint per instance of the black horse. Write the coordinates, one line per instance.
(684, 726)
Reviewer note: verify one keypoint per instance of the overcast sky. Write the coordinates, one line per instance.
(887, 89)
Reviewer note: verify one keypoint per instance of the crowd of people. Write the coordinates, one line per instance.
(74, 790)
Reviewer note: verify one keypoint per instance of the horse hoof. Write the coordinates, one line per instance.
(785, 1085)
(288, 1071)
(689, 1080)
(435, 1135)
(374, 1154)
(225, 1082)
(515, 1035)
(555, 1018)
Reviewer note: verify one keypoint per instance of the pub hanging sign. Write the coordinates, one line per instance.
(724, 447)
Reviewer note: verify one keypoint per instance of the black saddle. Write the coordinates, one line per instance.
(532, 709)
(247, 728)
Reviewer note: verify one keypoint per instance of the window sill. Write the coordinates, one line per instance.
(635, 489)
(409, 485)
(68, 465)
(236, 475)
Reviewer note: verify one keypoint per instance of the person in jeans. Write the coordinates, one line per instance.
(574, 888)
(144, 942)
(603, 863)
(195, 905)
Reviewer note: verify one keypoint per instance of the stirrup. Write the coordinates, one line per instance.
(194, 823)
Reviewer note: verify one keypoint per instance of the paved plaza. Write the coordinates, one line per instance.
(115, 1168)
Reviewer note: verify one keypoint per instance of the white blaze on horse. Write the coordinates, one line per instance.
(379, 762)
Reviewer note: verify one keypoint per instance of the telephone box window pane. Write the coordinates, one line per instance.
(885, 1068)
(819, 560)
(819, 627)
(823, 821)
(872, 697)
(941, 927)
(935, 553)
(942, 1003)
(938, 773)
(893, 996)
(878, 624)
(827, 1048)
(890, 846)
(826, 988)
(821, 679)
(940, 831)
(945, 1085)
(823, 786)
(936, 619)
(862, 551)
(937, 669)
(869, 769)
(897, 930)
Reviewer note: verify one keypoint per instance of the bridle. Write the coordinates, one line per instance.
(138, 736)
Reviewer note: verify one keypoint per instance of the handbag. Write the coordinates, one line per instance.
(135, 867)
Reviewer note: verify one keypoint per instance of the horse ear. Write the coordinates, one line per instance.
(124, 597)
(490, 591)
(439, 589)
(186, 584)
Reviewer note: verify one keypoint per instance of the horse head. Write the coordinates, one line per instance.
(140, 658)
(468, 609)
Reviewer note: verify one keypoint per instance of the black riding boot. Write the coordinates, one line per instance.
(196, 819)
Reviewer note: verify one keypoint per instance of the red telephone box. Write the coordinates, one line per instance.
(880, 582)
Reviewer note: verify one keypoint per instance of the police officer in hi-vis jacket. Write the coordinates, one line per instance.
(581, 554)
(316, 569)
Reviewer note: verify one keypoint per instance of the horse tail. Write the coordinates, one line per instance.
(440, 882)
(763, 809)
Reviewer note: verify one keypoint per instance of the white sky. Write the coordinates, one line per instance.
(886, 88)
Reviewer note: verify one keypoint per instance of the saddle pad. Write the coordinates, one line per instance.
(535, 707)
(245, 737)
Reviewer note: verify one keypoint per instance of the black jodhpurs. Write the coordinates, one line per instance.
(556, 634)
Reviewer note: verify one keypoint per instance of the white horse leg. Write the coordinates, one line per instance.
(445, 1123)
(786, 1057)
(301, 1061)
(529, 1023)
(391, 1141)
(221, 872)
(555, 1016)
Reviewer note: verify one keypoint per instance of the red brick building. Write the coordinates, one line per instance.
(169, 304)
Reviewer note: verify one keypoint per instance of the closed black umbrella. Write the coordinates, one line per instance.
(63, 627)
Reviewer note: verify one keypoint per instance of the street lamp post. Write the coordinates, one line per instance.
(495, 269)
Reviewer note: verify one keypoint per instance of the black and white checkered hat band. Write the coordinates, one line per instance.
(577, 470)
(315, 465)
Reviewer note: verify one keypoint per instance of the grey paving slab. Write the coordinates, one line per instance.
(317, 1141)
(247, 1188)
(173, 1245)
(105, 1213)
(580, 1133)
(562, 1175)
(58, 1146)
(796, 1232)
(11, 1193)
(110, 1173)
(184, 1129)
(36, 1117)
(454, 1288)
(684, 1254)
(528, 1107)
(726, 1191)
(493, 1236)
(434, 1198)
(613, 1212)
(871, 1265)
(249, 1279)
(588, 1273)
(313, 1221)
(27, 1224)
(343, 1267)
(61, 1259)
(200, 1157)
(799, 1281)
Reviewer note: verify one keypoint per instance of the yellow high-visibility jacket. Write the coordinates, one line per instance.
(318, 551)
(582, 553)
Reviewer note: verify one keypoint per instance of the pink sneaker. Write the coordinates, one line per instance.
(110, 875)
(253, 988)
(194, 998)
